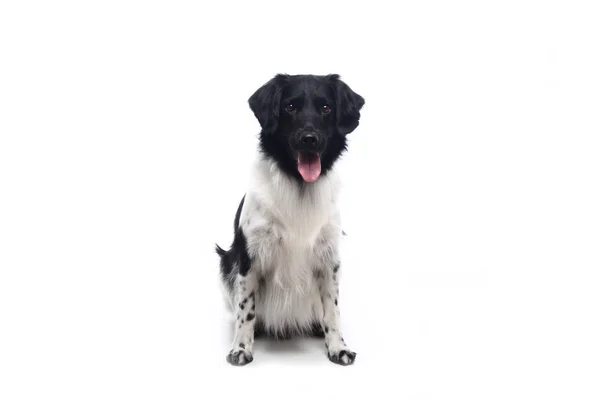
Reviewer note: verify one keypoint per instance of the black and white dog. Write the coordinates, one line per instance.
(281, 273)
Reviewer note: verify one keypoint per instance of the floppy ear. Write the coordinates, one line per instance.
(264, 103)
(348, 105)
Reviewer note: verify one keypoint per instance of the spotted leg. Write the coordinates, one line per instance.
(245, 310)
(337, 351)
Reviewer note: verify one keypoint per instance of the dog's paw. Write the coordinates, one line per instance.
(239, 357)
(342, 357)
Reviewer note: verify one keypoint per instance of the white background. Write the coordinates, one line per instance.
(471, 200)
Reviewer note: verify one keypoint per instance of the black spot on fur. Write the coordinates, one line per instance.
(241, 305)
(250, 317)
(326, 329)
(242, 345)
(336, 268)
(317, 331)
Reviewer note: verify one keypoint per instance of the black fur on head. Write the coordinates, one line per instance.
(305, 117)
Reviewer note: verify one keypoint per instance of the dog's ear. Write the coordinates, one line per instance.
(265, 103)
(348, 105)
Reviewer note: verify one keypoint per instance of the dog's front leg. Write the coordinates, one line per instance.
(245, 310)
(337, 351)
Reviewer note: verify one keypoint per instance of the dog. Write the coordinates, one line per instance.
(281, 274)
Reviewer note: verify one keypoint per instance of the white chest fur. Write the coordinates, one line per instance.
(292, 232)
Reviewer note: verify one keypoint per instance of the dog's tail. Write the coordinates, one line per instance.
(220, 251)
(226, 263)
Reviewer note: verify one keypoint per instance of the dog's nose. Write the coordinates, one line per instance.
(309, 140)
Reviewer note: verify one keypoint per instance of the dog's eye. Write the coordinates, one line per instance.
(290, 108)
(326, 109)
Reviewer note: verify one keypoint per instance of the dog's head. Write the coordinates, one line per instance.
(305, 120)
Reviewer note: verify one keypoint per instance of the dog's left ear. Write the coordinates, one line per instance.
(348, 105)
(264, 103)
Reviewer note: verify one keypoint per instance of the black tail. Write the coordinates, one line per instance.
(226, 263)
(228, 258)
(220, 251)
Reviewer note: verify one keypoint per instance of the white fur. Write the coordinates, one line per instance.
(293, 231)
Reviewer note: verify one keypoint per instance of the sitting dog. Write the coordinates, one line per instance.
(281, 273)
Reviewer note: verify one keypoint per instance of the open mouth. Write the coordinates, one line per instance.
(309, 166)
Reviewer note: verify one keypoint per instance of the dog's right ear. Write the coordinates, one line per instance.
(265, 103)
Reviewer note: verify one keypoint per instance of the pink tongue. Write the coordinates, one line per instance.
(309, 167)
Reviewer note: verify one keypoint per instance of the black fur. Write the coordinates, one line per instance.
(282, 129)
(238, 213)
(234, 358)
(315, 331)
(236, 259)
(337, 358)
